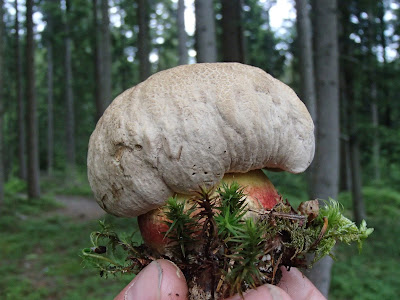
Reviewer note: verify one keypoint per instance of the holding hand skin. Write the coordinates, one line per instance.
(162, 280)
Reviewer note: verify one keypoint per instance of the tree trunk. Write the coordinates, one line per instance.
(106, 53)
(50, 100)
(50, 110)
(345, 183)
(387, 118)
(376, 145)
(307, 78)
(143, 37)
(372, 78)
(20, 101)
(33, 128)
(1, 112)
(69, 97)
(182, 35)
(232, 31)
(97, 51)
(357, 197)
(349, 99)
(325, 172)
(206, 45)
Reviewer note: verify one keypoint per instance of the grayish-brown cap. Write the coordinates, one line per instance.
(187, 126)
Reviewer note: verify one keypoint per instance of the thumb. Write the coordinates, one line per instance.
(160, 280)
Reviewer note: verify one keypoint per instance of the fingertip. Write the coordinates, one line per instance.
(264, 292)
(174, 283)
(160, 280)
(298, 286)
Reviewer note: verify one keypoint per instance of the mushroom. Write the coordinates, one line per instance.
(194, 126)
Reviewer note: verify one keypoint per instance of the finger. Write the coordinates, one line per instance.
(298, 286)
(264, 292)
(160, 280)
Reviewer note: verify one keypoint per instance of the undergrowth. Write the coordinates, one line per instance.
(216, 233)
(40, 257)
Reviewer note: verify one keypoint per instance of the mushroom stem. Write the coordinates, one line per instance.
(260, 194)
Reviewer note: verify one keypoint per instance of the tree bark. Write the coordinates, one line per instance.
(182, 35)
(106, 53)
(22, 173)
(97, 51)
(326, 169)
(372, 79)
(1, 112)
(304, 36)
(50, 100)
(33, 128)
(143, 40)
(50, 110)
(376, 145)
(69, 96)
(232, 31)
(307, 78)
(206, 45)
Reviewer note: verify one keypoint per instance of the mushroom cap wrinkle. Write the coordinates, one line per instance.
(185, 127)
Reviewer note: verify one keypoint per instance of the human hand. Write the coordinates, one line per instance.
(163, 280)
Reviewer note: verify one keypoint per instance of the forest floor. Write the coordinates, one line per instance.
(77, 207)
(42, 241)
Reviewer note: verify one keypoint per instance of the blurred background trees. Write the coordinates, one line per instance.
(62, 63)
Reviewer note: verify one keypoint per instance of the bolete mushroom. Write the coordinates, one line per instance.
(189, 126)
(182, 132)
(194, 126)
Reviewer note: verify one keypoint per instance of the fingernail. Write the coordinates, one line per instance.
(147, 285)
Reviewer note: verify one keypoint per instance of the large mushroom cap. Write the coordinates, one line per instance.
(187, 126)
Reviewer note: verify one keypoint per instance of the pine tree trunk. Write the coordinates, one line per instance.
(106, 53)
(349, 101)
(232, 31)
(33, 128)
(358, 201)
(20, 101)
(100, 104)
(307, 78)
(69, 97)
(50, 100)
(376, 141)
(143, 37)
(206, 45)
(182, 35)
(50, 110)
(1, 112)
(326, 169)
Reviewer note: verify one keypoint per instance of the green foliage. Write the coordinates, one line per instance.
(182, 223)
(232, 210)
(40, 257)
(375, 273)
(14, 186)
(248, 247)
(339, 228)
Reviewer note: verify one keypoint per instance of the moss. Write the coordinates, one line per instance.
(240, 252)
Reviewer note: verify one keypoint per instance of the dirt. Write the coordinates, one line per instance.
(78, 207)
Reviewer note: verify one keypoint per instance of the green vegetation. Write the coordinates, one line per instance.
(41, 256)
(243, 248)
(373, 274)
(40, 252)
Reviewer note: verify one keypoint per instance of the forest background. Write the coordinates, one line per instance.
(62, 62)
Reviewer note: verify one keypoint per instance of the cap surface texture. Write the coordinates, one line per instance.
(186, 127)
